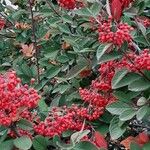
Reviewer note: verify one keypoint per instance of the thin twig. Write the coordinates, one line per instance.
(7, 36)
(13, 128)
(49, 4)
(35, 42)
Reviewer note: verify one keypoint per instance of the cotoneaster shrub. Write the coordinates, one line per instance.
(82, 75)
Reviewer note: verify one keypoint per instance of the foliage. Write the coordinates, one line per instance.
(88, 60)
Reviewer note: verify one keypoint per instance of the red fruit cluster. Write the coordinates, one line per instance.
(20, 132)
(134, 62)
(117, 7)
(93, 97)
(120, 35)
(103, 82)
(2, 23)
(66, 118)
(67, 4)
(145, 21)
(70, 4)
(15, 99)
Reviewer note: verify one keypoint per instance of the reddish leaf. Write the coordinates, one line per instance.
(100, 140)
(142, 138)
(85, 73)
(126, 142)
(116, 9)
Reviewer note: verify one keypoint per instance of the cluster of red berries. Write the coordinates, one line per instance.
(70, 4)
(66, 118)
(15, 99)
(2, 23)
(67, 4)
(106, 71)
(20, 132)
(93, 98)
(120, 35)
(134, 62)
(145, 21)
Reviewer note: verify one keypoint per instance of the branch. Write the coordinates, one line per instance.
(35, 42)
(7, 36)
(49, 4)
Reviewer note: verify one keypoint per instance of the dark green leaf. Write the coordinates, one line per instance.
(85, 146)
(117, 108)
(127, 114)
(142, 112)
(140, 84)
(39, 143)
(118, 77)
(101, 50)
(23, 143)
(115, 130)
(25, 124)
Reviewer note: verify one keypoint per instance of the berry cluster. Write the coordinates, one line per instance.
(93, 97)
(117, 36)
(145, 21)
(136, 62)
(67, 4)
(2, 23)
(16, 100)
(66, 118)
(107, 71)
(70, 4)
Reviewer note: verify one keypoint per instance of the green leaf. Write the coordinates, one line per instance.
(7, 145)
(74, 71)
(115, 130)
(126, 79)
(95, 9)
(118, 77)
(39, 143)
(77, 136)
(25, 124)
(83, 12)
(52, 72)
(111, 56)
(142, 28)
(85, 146)
(67, 133)
(108, 7)
(102, 128)
(134, 146)
(23, 143)
(141, 101)
(127, 115)
(64, 28)
(146, 146)
(140, 84)
(101, 50)
(126, 96)
(3, 136)
(142, 112)
(117, 108)
(43, 107)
